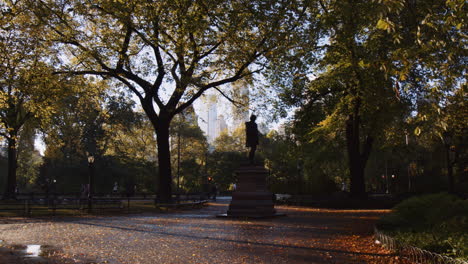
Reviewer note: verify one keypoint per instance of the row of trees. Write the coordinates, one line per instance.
(379, 71)
(354, 70)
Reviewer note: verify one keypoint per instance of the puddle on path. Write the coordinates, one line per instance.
(33, 251)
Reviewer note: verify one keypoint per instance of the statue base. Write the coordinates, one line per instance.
(251, 198)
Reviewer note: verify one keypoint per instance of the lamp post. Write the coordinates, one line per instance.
(299, 166)
(408, 171)
(447, 138)
(386, 176)
(178, 157)
(90, 181)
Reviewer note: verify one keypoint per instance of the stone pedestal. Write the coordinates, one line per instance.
(251, 197)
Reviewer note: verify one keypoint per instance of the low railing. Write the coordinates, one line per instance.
(120, 195)
(26, 206)
(50, 203)
(413, 254)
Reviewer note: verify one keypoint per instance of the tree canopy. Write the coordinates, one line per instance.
(369, 66)
(28, 89)
(168, 53)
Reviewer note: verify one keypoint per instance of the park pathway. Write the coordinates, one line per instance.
(305, 235)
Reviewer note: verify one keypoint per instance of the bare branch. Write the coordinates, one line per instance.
(210, 51)
(235, 103)
(104, 73)
(195, 58)
(323, 6)
(174, 73)
(153, 89)
(123, 51)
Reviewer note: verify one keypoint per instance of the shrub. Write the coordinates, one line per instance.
(435, 222)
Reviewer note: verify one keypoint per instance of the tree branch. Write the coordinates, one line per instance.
(123, 51)
(104, 73)
(235, 103)
(154, 88)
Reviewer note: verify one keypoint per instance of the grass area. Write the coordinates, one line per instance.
(436, 222)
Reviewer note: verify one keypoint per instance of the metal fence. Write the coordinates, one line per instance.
(25, 204)
(413, 254)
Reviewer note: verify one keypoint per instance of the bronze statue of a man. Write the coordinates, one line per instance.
(251, 133)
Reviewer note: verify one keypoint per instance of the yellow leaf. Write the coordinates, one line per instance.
(417, 131)
(382, 24)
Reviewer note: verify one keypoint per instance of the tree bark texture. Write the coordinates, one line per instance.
(164, 163)
(357, 160)
(451, 181)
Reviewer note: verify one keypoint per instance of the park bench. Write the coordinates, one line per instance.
(53, 204)
(103, 204)
(14, 206)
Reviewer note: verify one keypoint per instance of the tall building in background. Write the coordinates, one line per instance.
(214, 112)
(221, 126)
(212, 117)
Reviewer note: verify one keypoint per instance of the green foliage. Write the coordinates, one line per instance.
(280, 152)
(231, 143)
(369, 69)
(78, 128)
(130, 174)
(222, 166)
(384, 69)
(167, 53)
(99, 121)
(28, 89)
(436, 222)
(29, 160)
(189, 147)
(128, 135)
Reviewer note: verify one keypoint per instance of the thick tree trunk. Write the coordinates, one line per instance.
(12, 165)
(356, 160)
(164, 159)
(451, 181)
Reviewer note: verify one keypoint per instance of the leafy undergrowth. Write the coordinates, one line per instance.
(436, 222)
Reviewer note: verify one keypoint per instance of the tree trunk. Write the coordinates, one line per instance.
(356, 160)
(10, 191)
(451, 181)
(164, 159)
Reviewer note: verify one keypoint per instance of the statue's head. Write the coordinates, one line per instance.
(253, 118)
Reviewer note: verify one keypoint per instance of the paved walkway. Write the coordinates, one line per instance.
(305, 235)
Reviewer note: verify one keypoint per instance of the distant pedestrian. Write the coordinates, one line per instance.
(214, 191)
(116, 188)
(83, 191)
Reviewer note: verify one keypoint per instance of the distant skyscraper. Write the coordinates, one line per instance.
(212, 116)
(221, 126)
(214, 112)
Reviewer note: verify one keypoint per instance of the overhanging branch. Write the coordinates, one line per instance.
(235, 103)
